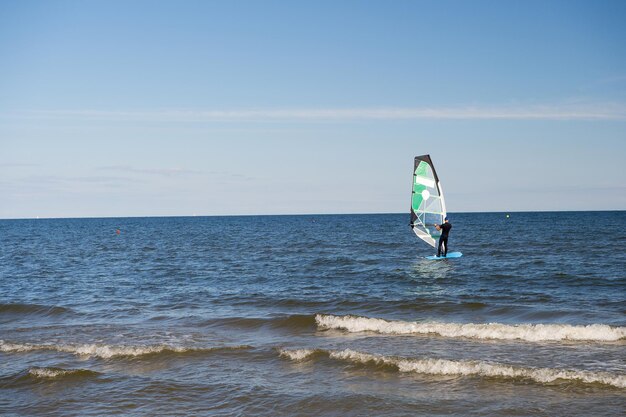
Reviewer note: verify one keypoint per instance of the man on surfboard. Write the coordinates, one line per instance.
(443, 239)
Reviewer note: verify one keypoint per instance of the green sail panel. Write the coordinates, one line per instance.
(427, 202)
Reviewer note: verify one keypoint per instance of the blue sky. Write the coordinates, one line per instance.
(197, 107)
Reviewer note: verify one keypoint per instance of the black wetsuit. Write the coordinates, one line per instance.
(443, 239)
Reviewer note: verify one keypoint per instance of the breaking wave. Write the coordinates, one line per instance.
(109, 351)
(53, 373)
(36, 375)
(460, 368)
(298, 354)
(527, 332)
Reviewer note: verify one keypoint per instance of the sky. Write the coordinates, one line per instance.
(164, 108)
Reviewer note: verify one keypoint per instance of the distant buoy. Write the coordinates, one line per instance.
(507, 216)
(117, 231)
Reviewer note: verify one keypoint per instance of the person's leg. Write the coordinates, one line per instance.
(439, 247)
(445, 250)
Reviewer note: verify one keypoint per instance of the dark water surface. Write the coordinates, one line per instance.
(313, 316)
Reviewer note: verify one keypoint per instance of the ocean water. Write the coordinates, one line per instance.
(336, 315)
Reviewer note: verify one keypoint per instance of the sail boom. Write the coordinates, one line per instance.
(425, 237)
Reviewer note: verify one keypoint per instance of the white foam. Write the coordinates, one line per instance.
(106, 351)
(528, 332)
(101, 351)
(47, 372)
(14, 347)
(296, 355)
(50, 373)
(445, 367)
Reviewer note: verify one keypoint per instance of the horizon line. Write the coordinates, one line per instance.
(299, 214)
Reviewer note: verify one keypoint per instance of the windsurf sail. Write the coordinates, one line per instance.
(427, 203)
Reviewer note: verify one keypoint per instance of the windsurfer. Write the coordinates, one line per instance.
(443, 239)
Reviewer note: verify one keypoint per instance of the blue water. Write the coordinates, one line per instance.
(313, 315)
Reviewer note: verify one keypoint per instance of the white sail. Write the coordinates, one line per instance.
(427, 202)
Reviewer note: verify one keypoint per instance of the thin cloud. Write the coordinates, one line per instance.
(615, 190)
(17, 165)
(165, 172)
(569, 111)
(45, 180)
(37, 185)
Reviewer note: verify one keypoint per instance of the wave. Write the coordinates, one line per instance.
(527, 332)
(19, 308)
(299, 354)
(292, 322)
(36, 375)
(267, 301)
(110, 351)
(53, 373)
(460, 368)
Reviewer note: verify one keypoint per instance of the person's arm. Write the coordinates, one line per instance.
(438, 227)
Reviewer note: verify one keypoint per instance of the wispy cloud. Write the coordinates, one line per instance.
(165, 172)
(37, 185)
(45, 180)
(17, 165)
(564, 111)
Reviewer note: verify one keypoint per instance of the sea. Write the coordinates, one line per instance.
(313, 315)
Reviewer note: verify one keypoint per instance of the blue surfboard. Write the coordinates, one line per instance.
(450, 255)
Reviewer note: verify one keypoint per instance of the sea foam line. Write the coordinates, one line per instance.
(446, 367)
(528, 332)
(104, 351)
